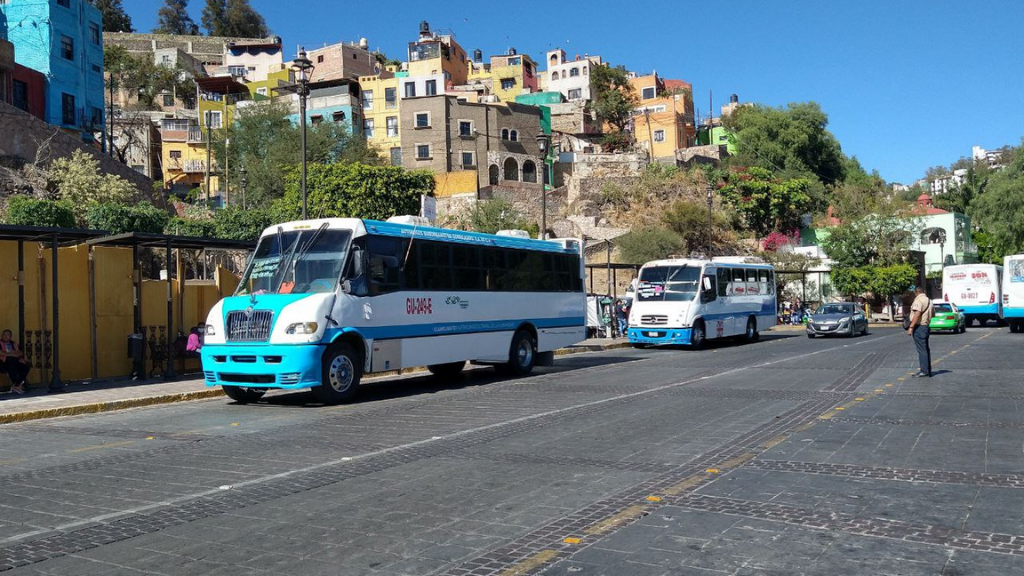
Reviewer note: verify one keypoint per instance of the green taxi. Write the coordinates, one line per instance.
(947, 316)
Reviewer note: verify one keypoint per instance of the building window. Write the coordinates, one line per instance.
(320, 59)
(423, 151)
(96, 117)
(467, 160)
(67, 109)
(465, 128)
(511, 169)
(64, 3)
(367, 99)
(94, 33)
(410, 89)
(392, 126)
(423, 119)
(575, 94)
(396, 156)
(67, 47)
(316, 119)
(97, 68)
(338, 117)
(573, 72)
(508, 83)
(390, 98)
(659, 135)
(529, 171)
(168, 99)
(647, 93)
(175, 154)
(554, 75)
(237, 71)
(214, 119)
(585, 73)
(431, 87)
(368, 127)
(504, 133)
(513, 135)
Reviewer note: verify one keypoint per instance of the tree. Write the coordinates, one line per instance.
(999, 209)
(767, 203)
(355, 191)
(115, 19)
(214, 18)
(120, 218)
(791, 140)
(245, 22)
(78, 180)
(266, 143)
(28, 211)
(490, 216)
(173, 18)
(689, 220)
(640, 246)
(613, 102)
(233, 223)
(958, 198)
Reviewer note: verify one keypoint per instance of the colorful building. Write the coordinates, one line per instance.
(513, 74)
(63, 40)
(664, 119)
(437, 56)
(343, 60)
(381, 107)
(570, 77)
(336, 101)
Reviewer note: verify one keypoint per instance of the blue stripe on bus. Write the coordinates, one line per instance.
(1013, 312)
(460, 237)
(981, 309)
(453, 328)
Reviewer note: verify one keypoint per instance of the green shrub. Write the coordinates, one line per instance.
(355, 191)
(237, 224)
(28, 211)
(191, 227)
(642, 246)
(119, 218)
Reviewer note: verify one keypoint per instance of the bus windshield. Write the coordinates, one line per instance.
(668, 284)
(296, 262)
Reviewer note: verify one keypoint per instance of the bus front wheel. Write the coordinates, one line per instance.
(522, 355)
(342, 369)
(698, 336)
(243, 395)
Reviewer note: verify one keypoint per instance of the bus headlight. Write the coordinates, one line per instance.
(210, 330)
(302, 328)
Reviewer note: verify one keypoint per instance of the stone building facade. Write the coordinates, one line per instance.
(498, 142)
(343, 61)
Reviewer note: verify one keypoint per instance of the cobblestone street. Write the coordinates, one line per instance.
(786, 457)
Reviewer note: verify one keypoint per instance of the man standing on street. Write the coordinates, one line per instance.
(921, 317)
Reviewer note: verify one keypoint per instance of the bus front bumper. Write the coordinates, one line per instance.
(659, 336)
(268, 366)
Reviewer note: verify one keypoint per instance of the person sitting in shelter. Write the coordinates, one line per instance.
(12, 361)
(194, 345)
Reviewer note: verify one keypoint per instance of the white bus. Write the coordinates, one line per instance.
(1013, 292)
(323, 301)
(684, 301)
(976, 289)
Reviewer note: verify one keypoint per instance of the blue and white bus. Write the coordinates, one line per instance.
(976, 289)
(684, 301)
(1013, 292)
(324, 301)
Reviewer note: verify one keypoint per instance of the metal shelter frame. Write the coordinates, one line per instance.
(55, 237)
(137, 240)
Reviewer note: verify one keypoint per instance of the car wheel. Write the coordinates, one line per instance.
(698, 336)
(811, 336)
(522, 355)
(244, 395)
(342, 368)
(752, 335)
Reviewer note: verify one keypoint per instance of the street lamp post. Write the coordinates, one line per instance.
(710, 198)
(303, 68)
(243, 173)
(542, 146)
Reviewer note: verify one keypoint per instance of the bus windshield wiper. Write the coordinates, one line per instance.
(301, 253)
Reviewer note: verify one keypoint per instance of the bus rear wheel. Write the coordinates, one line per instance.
(244, 395)
(342, 368)
(752, 335)
(522, 355)
(448, 370)
(698, 336)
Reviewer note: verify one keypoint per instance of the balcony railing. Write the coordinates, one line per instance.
(196, 136)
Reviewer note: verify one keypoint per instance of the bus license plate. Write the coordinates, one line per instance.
(653, 334)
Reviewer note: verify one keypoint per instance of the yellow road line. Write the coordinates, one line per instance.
(736, 461)
(102, 446)
(615, 519)
(691, 482)
(531, 563)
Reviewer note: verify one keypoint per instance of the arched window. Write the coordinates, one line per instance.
(504, 133)
(585, 71)
(574, 71)
(493, 174)
(554, 75)
(514, 136)
(530, 171)
(554, 58)
(511, 169)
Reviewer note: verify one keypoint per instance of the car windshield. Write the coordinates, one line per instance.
(835, 309)
(942, 308)
(667, 283)
(296, 262)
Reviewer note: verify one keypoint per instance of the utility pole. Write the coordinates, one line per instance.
(110, 118)
(209, 138)
(650, 139)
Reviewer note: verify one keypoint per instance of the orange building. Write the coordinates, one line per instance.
(664, 119)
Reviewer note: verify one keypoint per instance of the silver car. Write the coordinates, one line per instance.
(845, 318)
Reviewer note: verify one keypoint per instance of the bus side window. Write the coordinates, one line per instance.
(494, 267)
(771, 282)
(724, 276)
(411, 267)
(436, 266)
(738, 282)
(762, 279)
(385, 261)
(708, 292)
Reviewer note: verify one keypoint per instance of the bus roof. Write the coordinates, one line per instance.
(700, 263)
(361, 226)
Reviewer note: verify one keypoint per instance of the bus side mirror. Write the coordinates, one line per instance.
(346, 287)
(358, 266)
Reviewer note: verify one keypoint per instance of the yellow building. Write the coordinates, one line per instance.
(438, 54)
(513, 74)
(381, 103)
(664, 118)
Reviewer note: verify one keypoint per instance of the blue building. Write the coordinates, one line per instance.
(63, 40)
(336, 101)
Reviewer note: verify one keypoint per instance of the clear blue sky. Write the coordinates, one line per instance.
(907, 84)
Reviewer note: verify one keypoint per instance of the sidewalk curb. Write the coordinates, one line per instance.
(115, 405)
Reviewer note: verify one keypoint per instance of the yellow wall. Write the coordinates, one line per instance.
(112, 277)
(451, 183)
(380, 112)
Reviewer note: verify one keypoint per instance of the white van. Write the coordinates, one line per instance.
(1013, 292)
(976, 289)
